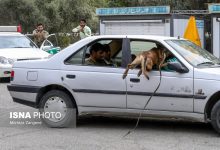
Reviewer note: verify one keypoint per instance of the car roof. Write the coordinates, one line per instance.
(11, 34)
(150, 37)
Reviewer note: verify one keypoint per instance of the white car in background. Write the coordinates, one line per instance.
(15, 46)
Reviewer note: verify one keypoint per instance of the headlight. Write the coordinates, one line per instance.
(4, 60)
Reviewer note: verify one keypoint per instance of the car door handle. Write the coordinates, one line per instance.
(70, 76)
(134, 80)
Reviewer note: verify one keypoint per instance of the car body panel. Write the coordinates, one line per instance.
(177, 94)
(104, 86)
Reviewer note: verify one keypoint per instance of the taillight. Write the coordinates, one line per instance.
(12, 75)
(19, 28)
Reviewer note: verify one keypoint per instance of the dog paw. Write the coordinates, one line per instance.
(124, 76)
(139, 74)
(147, 77)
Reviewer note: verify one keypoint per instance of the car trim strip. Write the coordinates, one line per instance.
(24, 102)
(140, 93)
(23, 88)
(166, 95)
(35, 89)
(99, 91)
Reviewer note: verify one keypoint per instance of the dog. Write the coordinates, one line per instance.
(147, 59)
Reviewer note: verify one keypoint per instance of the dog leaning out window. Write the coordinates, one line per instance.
(147, 60)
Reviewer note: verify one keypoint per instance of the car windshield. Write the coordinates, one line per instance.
(194, 54)
(16, 42)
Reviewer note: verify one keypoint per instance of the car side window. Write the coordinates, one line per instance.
(169, 58)
(109, 55)
(138, 47)
(77, 58)
(112, 58)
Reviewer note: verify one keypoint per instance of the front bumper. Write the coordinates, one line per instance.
(5, 70)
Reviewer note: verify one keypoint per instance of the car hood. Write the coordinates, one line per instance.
(207, 73)
(23, 53)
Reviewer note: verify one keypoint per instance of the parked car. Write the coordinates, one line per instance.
(190, 89)
(15, 46)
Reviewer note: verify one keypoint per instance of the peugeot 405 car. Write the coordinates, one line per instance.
(189, 87)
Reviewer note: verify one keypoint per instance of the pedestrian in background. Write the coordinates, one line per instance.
(83, 30)
(40, 34)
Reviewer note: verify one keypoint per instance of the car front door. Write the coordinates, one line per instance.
(175, 92)
(97, 86)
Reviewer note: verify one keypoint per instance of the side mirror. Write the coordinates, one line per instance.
(178, 67)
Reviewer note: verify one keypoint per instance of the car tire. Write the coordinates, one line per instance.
(57, 109)
(215, 117)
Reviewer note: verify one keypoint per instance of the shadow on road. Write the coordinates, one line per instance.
(157, 125)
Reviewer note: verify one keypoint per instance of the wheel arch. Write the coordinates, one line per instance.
(47, 88)
(210, 104)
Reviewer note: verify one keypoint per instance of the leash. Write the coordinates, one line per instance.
(140, 114)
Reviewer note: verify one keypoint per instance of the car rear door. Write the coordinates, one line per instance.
(96, 86)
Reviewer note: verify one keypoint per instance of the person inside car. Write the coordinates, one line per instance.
(97, 55)
(169, 58)
(107, 57)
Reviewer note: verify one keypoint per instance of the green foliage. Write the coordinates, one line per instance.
(50, 10)
(174, 4)
(56, 15)
(14, 12)
(119, 3)
(64, 40)
(73, 10)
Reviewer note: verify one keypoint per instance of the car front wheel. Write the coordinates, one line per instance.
(215, 117)
(57, 109)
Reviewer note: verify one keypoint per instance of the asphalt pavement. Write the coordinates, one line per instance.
(101, 133)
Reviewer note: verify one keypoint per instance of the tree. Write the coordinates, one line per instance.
(14, 12)
(49, 10)
(174, 4)
(63, 15)
(73, 10)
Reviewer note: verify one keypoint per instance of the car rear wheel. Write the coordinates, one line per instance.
(57, 109)
(215, 117)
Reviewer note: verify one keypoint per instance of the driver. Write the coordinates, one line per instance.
(97, 55)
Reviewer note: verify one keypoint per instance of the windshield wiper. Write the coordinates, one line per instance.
(206, 63)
